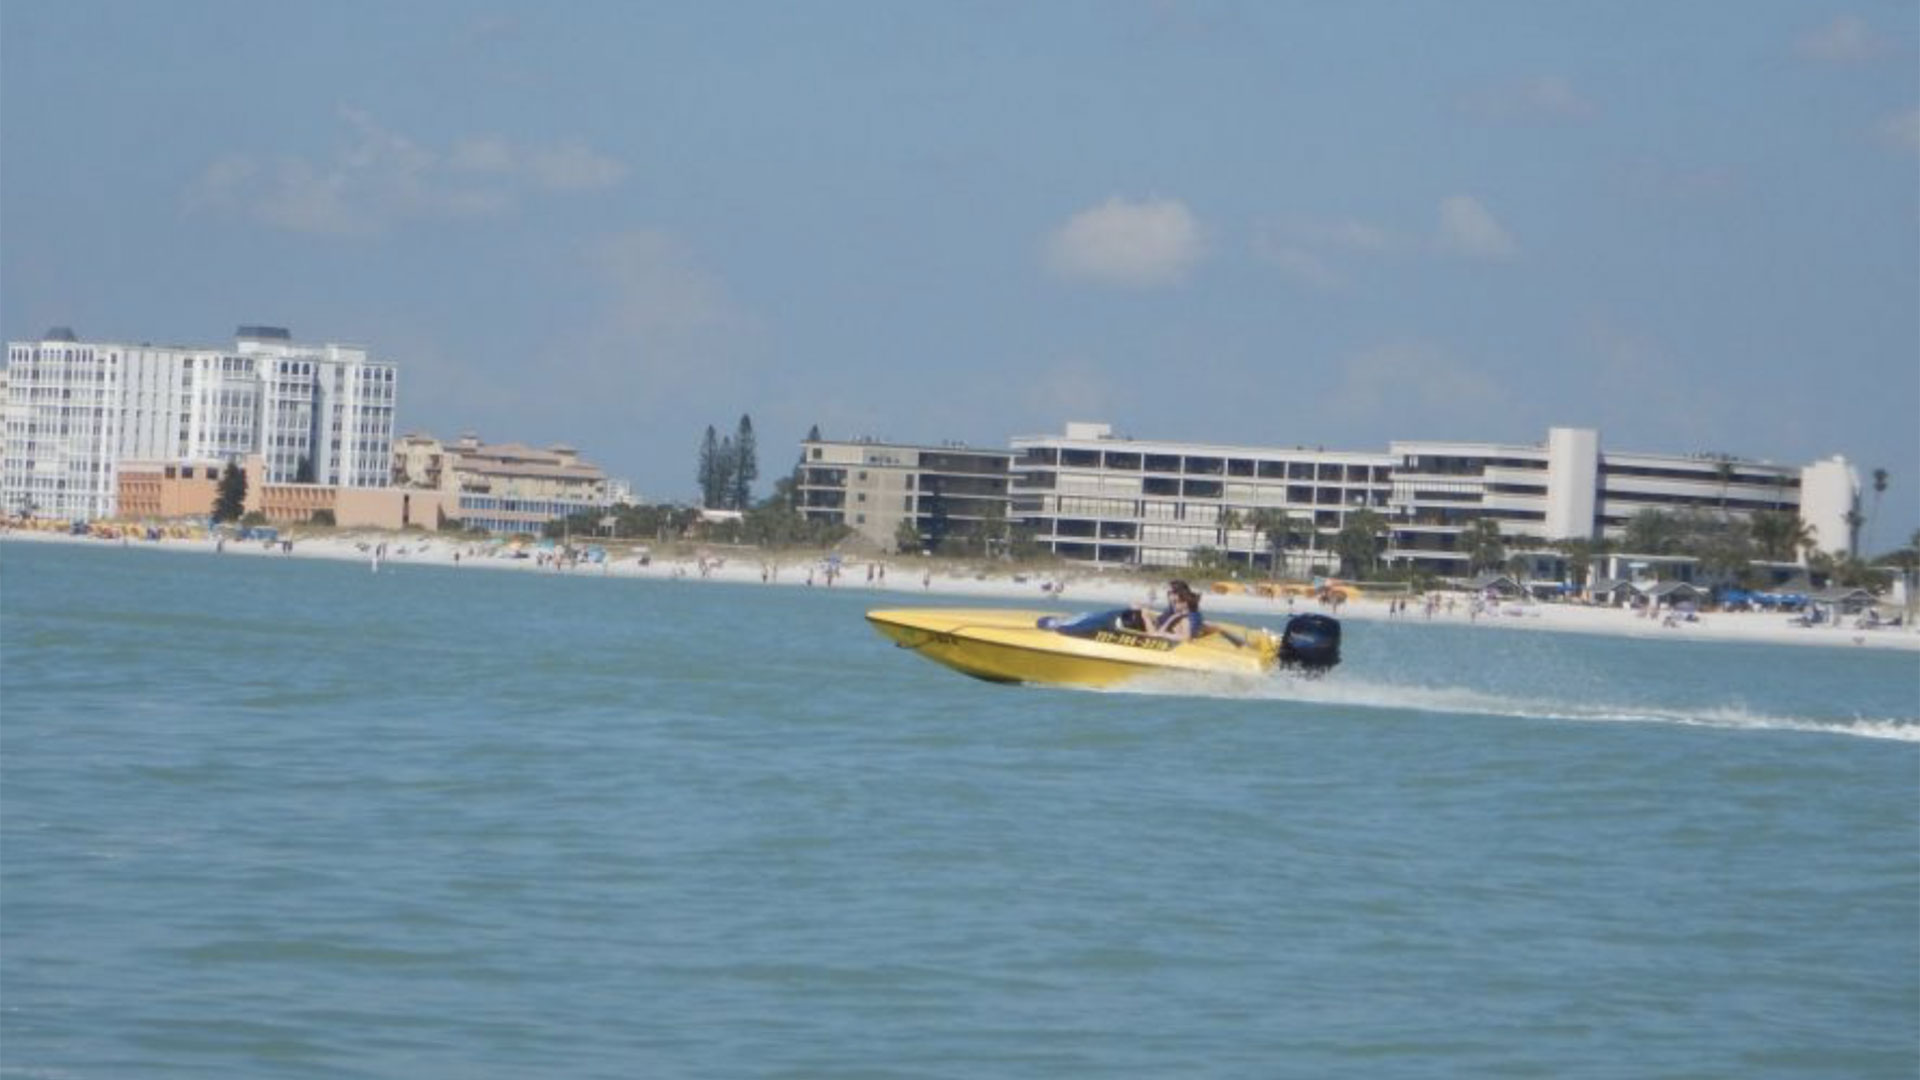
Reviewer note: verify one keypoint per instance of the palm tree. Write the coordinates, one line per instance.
(1359, 541)
(1485, 546)
(1879, 489)
(1232, 520)
(1820, 566)
(994, 534)
(1278, 527)
(1653, 532)
(1520, 568)
(1580, 552)
(1727, 554)
(1810, 546)
(1779, 534)
(1910, 564)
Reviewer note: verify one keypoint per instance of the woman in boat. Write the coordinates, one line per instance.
(1181, 620)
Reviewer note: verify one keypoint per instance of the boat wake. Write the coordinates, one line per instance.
(1463, 701)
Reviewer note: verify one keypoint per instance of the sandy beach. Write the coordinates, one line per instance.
(898, 581)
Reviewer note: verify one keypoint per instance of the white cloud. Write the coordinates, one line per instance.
(1901, 131)
(1846, 40)
(1070, 386)
(1319, 253)
(487, 154)
(381, 177)
(1470, 230)
(572, 166)
(566, 166)
(1636, 383)
(1326, 253)
(654, 346)
(1128, 244)
(1413, 378)
(294, 196)
(1343, 235)
(657, 285)
(1303, 266)
(1541, 98)
(668, 323)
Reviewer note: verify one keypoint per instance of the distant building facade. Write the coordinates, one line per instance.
(1095, 497)
(1091, 496)
(326, 411)
(871, 487)
(503, 487)
(158, 490)
(74, 411)
(1568, 488)
(1830, 503)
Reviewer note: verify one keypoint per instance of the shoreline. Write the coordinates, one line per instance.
(903, 580)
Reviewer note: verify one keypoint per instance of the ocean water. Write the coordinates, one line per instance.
(289, 818)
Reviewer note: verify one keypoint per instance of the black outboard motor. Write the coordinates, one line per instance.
(1310, 644)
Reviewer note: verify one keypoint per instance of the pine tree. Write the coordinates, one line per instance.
(723, 475)
(746, 466)
(231, 501)
(709, 473)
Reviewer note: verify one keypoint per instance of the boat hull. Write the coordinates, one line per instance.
(1012, 647)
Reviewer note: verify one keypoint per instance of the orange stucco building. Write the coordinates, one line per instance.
(158, 490)
(167, 489)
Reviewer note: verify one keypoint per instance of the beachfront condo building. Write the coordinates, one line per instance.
(948, 497)
(1569, 488)
(326, 411)
(1092, 496)
(75, 410)
(503, 487)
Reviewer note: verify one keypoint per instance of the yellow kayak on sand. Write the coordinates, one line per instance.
(1099, 648)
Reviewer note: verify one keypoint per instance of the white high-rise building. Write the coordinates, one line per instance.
(74, 410)
(326, 412)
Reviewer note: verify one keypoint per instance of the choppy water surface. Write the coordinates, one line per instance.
(279, 818)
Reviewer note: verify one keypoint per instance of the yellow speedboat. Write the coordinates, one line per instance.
(1100, 648)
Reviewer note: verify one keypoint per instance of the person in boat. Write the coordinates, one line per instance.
(1181, 620)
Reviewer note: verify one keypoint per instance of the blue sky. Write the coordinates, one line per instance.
(1693, 226)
